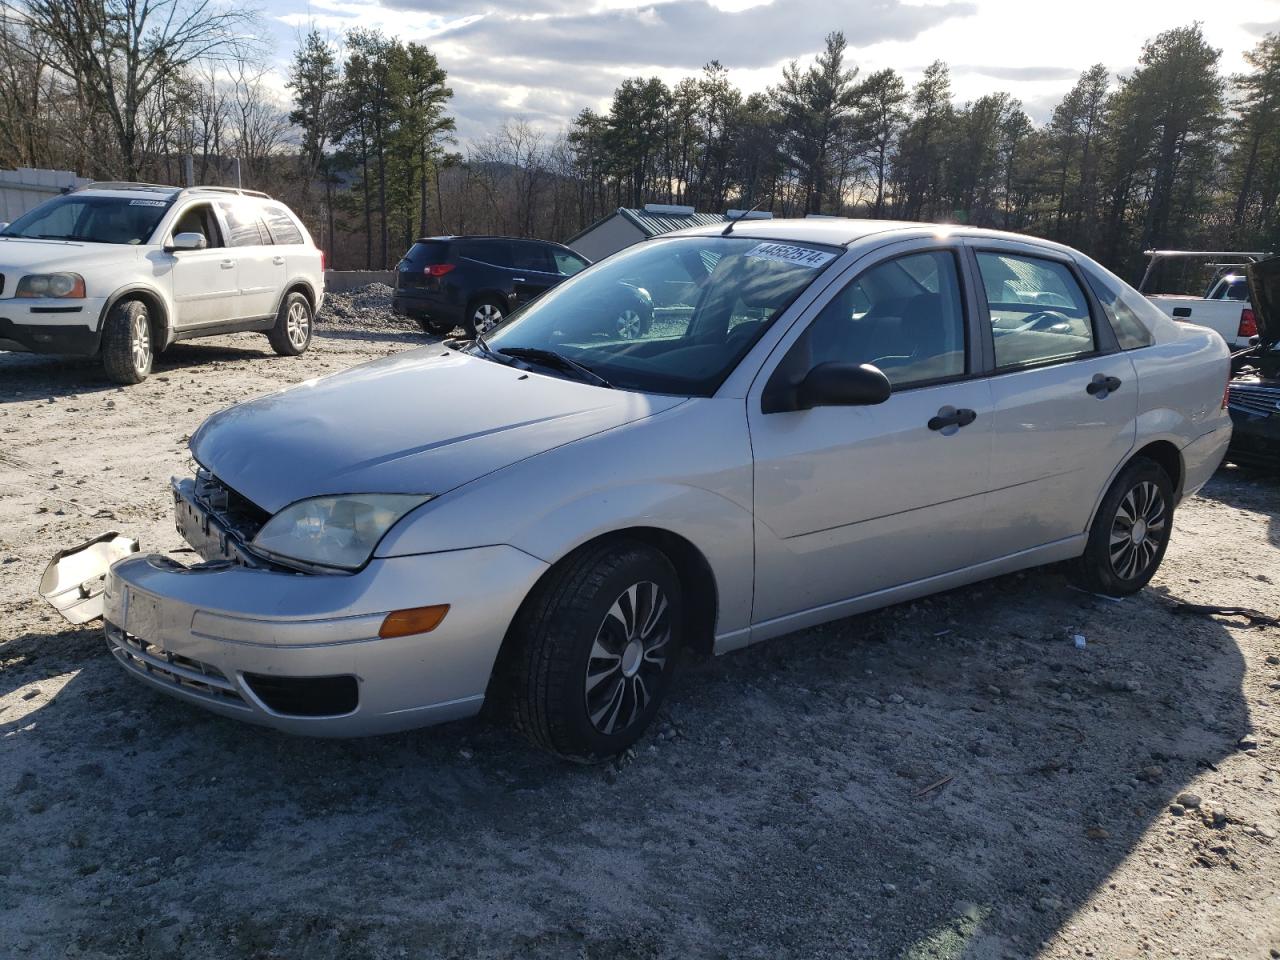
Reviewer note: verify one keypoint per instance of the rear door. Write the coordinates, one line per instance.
(206, 286)
(535, 270)
(1065, 399)
(262, 266)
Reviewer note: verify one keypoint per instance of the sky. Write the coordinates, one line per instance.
(544, 60)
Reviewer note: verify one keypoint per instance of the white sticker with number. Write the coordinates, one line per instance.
(786, 253)
(146, 203)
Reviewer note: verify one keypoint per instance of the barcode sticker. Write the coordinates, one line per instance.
(786, 253)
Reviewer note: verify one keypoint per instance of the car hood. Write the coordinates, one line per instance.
(20, 253)
(424, 421)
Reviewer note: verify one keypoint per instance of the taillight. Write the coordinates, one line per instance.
(437, 269)
(323, 260)
(1248, 324)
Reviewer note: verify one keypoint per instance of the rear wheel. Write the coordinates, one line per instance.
(483, 316)
(630, 323)
(292, 333)
(597, 648)
(127, 347)
(1130, 532)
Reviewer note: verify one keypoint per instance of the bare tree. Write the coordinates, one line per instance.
(118, 52)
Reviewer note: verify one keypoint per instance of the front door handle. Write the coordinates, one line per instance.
(278, 261)
(228, 264)
(1101, 387)
(950, 417)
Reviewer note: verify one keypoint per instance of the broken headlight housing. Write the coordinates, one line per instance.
(340, 532)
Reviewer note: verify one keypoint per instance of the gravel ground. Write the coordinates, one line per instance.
(949, 778)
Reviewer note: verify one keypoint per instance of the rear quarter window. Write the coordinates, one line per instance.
(1122, 306)
(280, 224)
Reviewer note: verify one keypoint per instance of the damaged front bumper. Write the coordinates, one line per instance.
(301, 652)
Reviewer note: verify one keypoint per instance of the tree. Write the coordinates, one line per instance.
(881, 116)
(315, 81)
(118, 53)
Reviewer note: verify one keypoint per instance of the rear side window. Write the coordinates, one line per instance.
(243, 224)
(495, 252)
(1039, 313)
(1121, 305)
(283, 229)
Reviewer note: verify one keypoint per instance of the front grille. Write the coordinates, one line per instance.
(192, 677)
(240, 516)
(1253, 399)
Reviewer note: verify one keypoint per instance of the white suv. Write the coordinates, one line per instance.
(122, 270)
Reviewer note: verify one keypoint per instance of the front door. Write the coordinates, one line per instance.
(206, 284)
(1065, 398)
(852, 500)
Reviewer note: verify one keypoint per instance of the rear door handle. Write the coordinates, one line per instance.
(278, 261)
(1101, 387)
(1181, 313)
(950, 417)
(228, 264)
(517, 280)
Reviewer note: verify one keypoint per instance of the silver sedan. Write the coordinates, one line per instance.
(822, 417)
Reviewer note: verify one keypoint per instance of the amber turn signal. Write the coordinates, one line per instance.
(402, 623)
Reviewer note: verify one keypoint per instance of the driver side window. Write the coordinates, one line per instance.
(199, 218)
(904, 316)
(1039, 314)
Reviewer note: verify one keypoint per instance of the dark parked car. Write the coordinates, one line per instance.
(476, 282)
(1253, 396)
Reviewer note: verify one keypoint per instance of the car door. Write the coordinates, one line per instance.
(1065, 398)
(205, 282)
(535, 271)
(852, 500)
(262, 267)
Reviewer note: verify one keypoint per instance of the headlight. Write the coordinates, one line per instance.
(69, 286)
(336, 532)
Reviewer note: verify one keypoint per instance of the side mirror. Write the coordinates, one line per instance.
(842, 385)
(187, 241)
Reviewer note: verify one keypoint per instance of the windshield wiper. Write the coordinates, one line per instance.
(559, 361)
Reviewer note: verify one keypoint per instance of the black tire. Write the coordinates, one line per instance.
(294, 326)
(436, 328)
(578, 612)
(128, 342)
(480, 316)
(1116, 564)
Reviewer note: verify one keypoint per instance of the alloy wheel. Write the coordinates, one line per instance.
(140, 342)
(1137, 531)
(486, 317)
(628, 324)
(298, 325)
(627, 658)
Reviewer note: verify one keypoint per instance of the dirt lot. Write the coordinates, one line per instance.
(951, 778)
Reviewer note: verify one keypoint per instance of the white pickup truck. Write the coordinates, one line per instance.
(1225, 306)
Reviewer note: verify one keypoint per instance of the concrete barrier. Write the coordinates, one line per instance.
(342, 281)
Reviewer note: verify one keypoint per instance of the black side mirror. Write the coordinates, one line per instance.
(827, 385)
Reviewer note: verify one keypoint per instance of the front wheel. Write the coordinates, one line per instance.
(597, 647)
(127, 343)
(1130, 532)
(291, 335)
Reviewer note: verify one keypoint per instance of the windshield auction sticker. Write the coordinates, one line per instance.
(786, 253)
(146, 203)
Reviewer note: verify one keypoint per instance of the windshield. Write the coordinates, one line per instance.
(667, 316)
(91, 219)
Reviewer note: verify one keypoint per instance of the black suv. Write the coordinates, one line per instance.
(475, 282)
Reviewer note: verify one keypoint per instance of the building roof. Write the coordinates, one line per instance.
(653, 220)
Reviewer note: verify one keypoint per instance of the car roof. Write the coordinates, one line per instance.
(845, 231)
(157, 194)
(444, 238)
